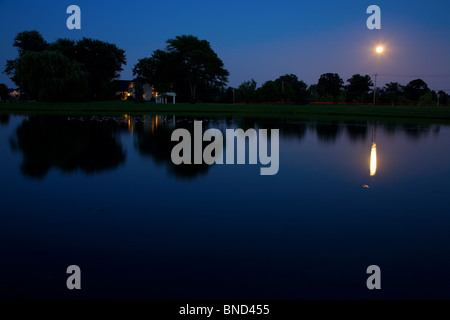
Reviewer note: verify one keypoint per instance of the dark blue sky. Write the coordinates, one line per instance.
(258, 39)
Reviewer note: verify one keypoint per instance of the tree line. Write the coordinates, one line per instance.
(330, 88)
(69, 70)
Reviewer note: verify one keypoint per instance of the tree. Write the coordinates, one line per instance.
(187, 64)
(292, 89)
(246, 92)
(330, 84)
(393, 91)
(269, 92)
(66, 47)
(416, 89)
(30, 41)
(158, 70)
(429, 98)
(102, 60)
(229, 95)
(199, 63)
(97, 62)
(313, 92)
(216, 94)
(358, 88)
(444, 98)
(50, 76)
(286, 88)
(4, 92)
(25, 42)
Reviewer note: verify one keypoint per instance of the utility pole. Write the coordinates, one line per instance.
(438, 99)
(234, 101)
(375, 89)
(282, 91)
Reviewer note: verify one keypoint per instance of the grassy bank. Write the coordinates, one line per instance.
(364, 112)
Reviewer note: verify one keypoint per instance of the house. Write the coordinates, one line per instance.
(149, 92)
(14, 94)
(125, 89)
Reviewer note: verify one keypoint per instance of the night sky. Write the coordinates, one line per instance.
(258, 39)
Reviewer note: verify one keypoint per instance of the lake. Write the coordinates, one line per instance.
(102, 193)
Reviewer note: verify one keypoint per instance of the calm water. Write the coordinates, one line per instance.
(103, 194)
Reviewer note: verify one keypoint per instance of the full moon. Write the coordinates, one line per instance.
(379, 49)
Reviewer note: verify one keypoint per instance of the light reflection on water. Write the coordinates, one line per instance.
(102, 192)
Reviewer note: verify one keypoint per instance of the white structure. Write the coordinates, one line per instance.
(148, 93)
(163, 97)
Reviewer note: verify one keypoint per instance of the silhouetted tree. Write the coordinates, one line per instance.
(416, 89)
(66, 47)
(444, 98)
(358, 88)
(103, 62)
(229, 95)
(393, 91)
(50, 76)
(330, 84)
(246, 92)
(159, 70)
(100, 61)
(187, 62)
(215, 94)
(313, 92)
(270, 92)
(25, 42)
(30, 41)
(292, 90)
(286, 88)
(199, 63)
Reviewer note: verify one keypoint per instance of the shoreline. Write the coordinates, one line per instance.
(429, 114)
